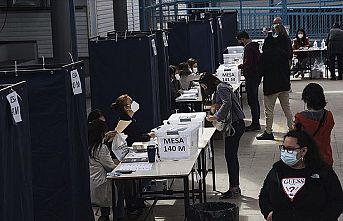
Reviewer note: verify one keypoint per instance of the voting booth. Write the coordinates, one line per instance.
(192, 39)
(126, 65)
(234, 55)
(57, 141)
(177, 141)
(15, 158)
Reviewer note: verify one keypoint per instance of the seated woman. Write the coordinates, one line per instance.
(301, 41)
(316, 120)
(186, 76)
(193, 65)
(126, 108)
(100, 163)
(175, 86)
(300, 186)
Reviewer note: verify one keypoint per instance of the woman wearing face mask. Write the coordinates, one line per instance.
(126, 108)
(301, 41)
(193, 65)
(316, 120)
(175, 86)
(226, 102)
(300, 186)
(186, 76)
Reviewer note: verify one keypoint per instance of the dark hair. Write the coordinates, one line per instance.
(242, 34)
(120, 103)
(95, 115)
(184, 69)
(302, 41)
(96, 132)
(313, 96)
(312, 158)
(210, 81)
(191, 62)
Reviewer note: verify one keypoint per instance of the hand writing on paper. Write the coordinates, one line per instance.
(211, 118)
(110, 135)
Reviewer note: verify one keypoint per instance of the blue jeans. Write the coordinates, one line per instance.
(231, 149)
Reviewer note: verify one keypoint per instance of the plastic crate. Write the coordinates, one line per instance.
(177, 141)
(197, 118)
(235, 50)
(233, 58)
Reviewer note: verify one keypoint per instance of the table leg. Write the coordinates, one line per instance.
(213, 166)
(186, 195)
(200, 180)
(204, 174)
(113, 199)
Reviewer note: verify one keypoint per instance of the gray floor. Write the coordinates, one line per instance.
(256, 157)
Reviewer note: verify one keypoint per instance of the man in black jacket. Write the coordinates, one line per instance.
(252, 77)
(276, 83)
(335, 49)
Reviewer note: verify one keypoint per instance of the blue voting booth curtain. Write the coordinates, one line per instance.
(127, 66)
(59, 146)
(16, 202)
(193, 39)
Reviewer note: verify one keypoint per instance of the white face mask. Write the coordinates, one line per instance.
(134, 106)
(195, 70)
(177, 77)
(300, 36)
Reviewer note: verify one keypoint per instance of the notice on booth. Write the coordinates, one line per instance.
(15, 107)
(76, 82)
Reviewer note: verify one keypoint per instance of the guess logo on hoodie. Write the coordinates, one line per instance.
(291, 186)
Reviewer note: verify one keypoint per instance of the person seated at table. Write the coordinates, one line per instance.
(193, 65)
(301, 186)
(175, 87)
(301, 42)
(186, 76)
(126, 108)
(100, 163)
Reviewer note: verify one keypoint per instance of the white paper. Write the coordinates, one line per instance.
(211, 26)
(119, 147)
(153, 45)
(135, 166)
(220, 23)
(121, 126)
(15, 107)
(75, 82)
(165, 40)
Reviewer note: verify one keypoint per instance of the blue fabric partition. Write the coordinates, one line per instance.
(16, 200)
(59, 149)
(126, 66)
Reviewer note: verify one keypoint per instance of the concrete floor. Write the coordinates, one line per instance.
(257, 157)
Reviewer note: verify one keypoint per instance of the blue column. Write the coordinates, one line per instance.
(241, 14)
(284, 15)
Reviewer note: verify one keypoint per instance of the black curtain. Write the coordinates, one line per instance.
(16, 201)
(126, 66)
(192, 39)
(59, 145)
(230, 28)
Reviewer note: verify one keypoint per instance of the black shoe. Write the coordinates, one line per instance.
(265, 136)
(231, 194)
(253, 127)
(333, 78)
(339, 78)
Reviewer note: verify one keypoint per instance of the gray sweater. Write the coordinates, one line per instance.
(228, 101)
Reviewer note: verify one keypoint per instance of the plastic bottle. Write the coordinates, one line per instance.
(315, 44)
(323, 44)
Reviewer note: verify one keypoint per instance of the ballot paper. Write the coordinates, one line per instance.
(122, 124)
(135, 166)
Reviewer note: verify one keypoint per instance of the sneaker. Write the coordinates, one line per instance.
(253, 127)
(265, 136)
(231, 194)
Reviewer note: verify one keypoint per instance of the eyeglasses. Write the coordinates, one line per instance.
(288, 149)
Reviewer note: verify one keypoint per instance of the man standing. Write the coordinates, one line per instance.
(335, 49)
(276, 83)
(252, 77)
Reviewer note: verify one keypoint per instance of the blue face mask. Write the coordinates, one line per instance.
(289, 158)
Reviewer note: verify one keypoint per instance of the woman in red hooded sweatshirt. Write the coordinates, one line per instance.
(316, 120)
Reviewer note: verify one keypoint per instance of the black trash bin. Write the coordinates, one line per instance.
(214, 211)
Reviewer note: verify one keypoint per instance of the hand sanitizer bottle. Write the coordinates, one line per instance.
(315, 44)
(323, 44)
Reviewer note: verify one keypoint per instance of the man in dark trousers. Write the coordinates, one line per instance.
(252, 77)
(335, 49)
